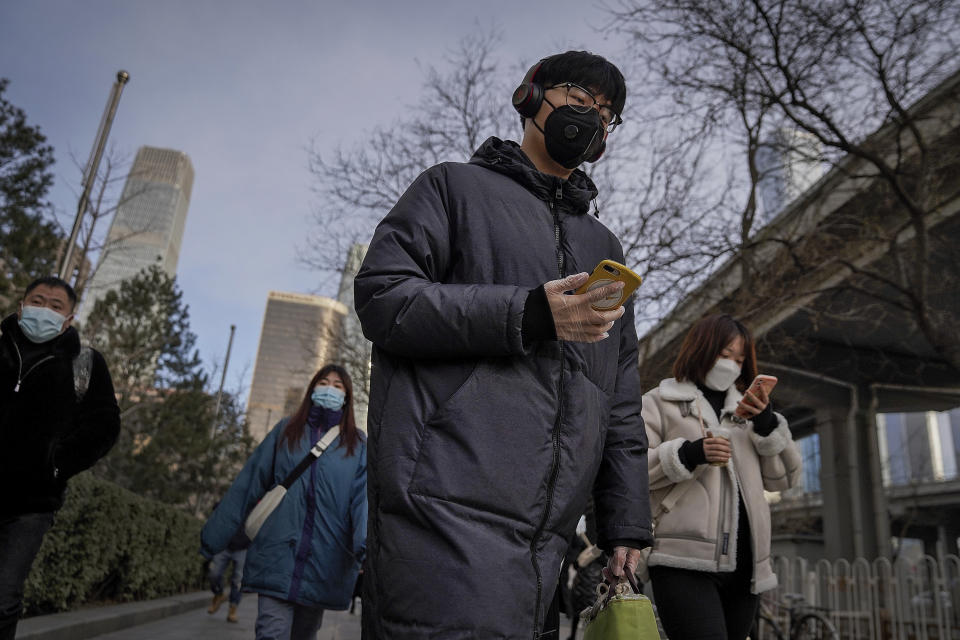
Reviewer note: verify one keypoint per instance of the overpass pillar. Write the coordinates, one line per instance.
(855, 520)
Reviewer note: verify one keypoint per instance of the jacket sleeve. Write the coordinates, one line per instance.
(780, 459)
(666, 468)
(358, 508)
(621, 493)
(97, 425)
(403, 303)
(247, 489)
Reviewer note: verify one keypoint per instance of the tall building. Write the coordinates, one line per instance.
(355, 350)
(300, 334)
(148, 226)
(789, 162)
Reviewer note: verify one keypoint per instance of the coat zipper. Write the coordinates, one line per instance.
(555, 467)
(20, 378)
(723, 540)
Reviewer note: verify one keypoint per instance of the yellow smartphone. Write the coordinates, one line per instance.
(608, 272)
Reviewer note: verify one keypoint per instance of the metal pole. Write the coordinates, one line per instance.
(93, 165)
(223, 379)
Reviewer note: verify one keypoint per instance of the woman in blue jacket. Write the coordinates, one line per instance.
(307, 555)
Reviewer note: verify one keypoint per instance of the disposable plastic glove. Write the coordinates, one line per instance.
(622, 557)
(573, 316)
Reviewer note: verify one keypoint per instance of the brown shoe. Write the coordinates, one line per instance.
(232, 614)
(216, 602)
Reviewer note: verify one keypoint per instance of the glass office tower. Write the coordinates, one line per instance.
(148, 226)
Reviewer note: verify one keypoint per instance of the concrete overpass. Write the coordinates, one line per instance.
(822, 287)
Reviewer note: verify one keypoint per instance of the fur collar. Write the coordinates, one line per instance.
(673, 390)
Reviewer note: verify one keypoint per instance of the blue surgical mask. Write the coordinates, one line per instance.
(40, 324)
(328, 397)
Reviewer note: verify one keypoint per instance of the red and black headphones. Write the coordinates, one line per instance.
(528, 98)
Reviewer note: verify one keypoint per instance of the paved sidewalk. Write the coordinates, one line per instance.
(89, 622)
(337, 625)
(181, 624)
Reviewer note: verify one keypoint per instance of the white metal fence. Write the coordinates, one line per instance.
(877, 600)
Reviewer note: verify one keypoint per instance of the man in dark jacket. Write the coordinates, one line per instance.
(58, 415)
(497, 401)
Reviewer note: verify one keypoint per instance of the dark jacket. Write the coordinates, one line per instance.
(483, 452)
(310, 548)
(46, 436)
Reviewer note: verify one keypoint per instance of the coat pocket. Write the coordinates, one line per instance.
(690, 517)
(486, 447)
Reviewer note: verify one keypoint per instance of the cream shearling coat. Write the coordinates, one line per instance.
(699, 532)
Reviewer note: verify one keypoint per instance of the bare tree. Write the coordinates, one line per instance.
(645, 180)
(848, 76)
(460, 106)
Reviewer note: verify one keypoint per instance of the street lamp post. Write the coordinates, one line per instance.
(93, 165)
(223, 379)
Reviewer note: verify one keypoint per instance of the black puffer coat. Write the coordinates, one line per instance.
(46, 436)
(482, 453)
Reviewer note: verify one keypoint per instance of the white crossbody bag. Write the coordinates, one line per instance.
(272, 499)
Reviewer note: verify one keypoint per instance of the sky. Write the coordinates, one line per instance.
(243, 87)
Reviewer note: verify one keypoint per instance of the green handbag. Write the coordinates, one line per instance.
(619, 614)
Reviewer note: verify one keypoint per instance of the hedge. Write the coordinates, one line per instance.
(110, 545)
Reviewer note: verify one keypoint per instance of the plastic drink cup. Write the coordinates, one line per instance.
(720, 433)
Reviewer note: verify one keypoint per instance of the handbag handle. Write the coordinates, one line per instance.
(627, 571)
(613, 589)
(605, 592)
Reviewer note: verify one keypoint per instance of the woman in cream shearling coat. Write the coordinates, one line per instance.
(711, 552)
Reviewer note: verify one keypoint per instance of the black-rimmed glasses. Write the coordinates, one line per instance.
(581, 101)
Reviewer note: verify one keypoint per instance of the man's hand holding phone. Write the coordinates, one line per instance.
(574, 317)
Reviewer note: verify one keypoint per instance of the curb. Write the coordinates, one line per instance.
(87, 623)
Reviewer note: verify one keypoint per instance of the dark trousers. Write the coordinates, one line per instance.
(551, 623)
(281, 620)
(695, 605)
(20, 538)
(218, 568)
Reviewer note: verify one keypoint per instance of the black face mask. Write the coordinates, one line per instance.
(572, 138)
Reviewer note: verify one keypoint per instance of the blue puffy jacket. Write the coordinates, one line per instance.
(310, 556)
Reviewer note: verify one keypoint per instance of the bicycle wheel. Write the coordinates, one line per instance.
(813, 626)
(765, 628)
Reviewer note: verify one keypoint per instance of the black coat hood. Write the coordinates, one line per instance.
(506, 157)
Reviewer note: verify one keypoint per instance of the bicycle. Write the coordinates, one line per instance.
(804, 621)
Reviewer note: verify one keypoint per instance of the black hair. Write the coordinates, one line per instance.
(590, 71)
(348, 426)
(54, 281)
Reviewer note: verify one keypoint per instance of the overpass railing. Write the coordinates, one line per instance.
(878, 600)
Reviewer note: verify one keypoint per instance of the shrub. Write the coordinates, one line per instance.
(108, 544)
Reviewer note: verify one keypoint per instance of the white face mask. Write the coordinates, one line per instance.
(722, 375)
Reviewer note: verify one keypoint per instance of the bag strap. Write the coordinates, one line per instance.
(82, 366)
(315, 452)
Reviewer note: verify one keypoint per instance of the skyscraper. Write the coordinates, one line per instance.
(790, 162)
(300, 334)
(148, 226)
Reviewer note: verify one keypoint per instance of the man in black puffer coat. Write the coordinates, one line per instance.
(53, 425)
(497, 402)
